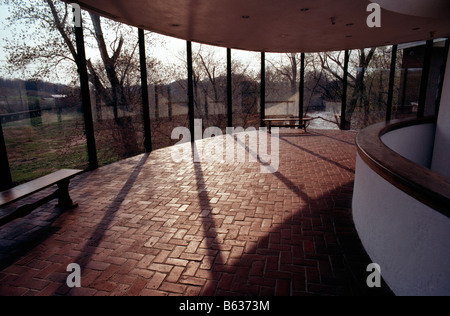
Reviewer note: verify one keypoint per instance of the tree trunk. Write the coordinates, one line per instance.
(359, 93)
(294, 66)
(125, 134)
(117, 97)
(156, 102)
(169, 101)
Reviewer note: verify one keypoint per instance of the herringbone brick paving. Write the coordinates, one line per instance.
(151, 226)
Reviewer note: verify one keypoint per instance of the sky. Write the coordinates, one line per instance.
(3, 33)
(171, 52)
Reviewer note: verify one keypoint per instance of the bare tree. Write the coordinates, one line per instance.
(287, 66)
(333, 64)
(51, 46)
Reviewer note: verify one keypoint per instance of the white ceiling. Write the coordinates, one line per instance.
(277, 25)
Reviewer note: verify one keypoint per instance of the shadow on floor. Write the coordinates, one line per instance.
(315, 251)
(97, 236)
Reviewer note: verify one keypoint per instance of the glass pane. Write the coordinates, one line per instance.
(40, 105)
(210, 85)
(323, 89)
(168, 91)
(411, 64)
(246, 75)
(371, 85)
(437, 73)
(282, 84)
(114, 71)
(411, 60)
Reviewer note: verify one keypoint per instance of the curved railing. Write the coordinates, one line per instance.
(401, 208)
(418, 181)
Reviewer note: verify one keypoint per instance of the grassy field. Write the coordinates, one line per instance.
(45, 145)
(40, 146)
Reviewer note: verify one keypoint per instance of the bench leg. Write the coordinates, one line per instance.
(64, 200)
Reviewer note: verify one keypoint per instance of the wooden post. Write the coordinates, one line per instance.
(85, 97)
(391, 83)
(145, 98)
(344, 92)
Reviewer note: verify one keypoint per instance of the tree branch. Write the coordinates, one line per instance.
(60, 28)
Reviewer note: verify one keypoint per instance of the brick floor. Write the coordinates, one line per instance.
(151, 226)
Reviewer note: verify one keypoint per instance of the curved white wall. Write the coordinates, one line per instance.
(414, 143)
(409, 240)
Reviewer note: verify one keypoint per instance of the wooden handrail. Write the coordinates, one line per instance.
(425, 185)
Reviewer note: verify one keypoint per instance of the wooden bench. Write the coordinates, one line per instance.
(292, 122)
(61, 178)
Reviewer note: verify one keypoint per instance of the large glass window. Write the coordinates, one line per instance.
(41, 110)
(168, 91)
(40, 107)
(210, 85)
(282, 84)
(368, 77)
(323, 88)
(246, 76)
(410, 61)
(115, 82)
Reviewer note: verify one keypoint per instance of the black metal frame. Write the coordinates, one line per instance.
(441, 82)
(263, 90)
(86, 98)
(145, 97)
(302, 87)
(5, 178)
(391, 83)
(344, 92)
(190, 90)
(425, 79)
(229, 90)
